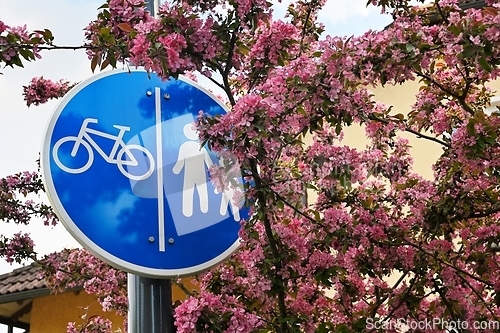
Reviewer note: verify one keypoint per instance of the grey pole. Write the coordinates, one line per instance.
(152, 6)
(150, 300)
(150, 305)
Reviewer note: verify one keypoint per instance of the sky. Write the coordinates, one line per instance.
(22, 128)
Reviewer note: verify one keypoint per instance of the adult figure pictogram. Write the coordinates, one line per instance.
(194, 160)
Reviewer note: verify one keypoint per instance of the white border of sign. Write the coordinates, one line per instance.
(73, 228)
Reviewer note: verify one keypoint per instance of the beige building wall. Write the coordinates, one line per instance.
(424, 152)
(401, 98)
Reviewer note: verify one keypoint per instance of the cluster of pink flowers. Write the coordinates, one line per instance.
(40, 90)
(207, 305)
(17, 248)
(92, 324)
(375, 226)
(79, 268)
(109, 34)
(15, 209)
(270, 46)
(18, 44)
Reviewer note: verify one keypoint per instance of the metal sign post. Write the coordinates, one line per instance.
(152, 6)
(150, 300)
(150, 305)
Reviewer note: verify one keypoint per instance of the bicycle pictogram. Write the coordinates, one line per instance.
(121, 154)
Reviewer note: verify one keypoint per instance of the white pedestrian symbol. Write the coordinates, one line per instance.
(193, 159)
(227, 199)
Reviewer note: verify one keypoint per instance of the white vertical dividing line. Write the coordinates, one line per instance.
(159, 171)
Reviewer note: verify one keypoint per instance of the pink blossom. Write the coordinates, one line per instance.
(40, 90)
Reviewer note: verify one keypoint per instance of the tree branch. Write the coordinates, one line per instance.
(274, 248)
(460, 99)
(57, 47)
(448, 264)
(409, 130)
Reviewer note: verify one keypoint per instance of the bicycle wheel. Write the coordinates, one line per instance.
(135, 161)
(71, 169)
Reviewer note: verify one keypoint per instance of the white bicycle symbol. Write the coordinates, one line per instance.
(120, 149)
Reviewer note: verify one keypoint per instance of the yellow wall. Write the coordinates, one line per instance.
(424, 152)
(178, 294)
(400, 97)
(51, 314)
(495, 85)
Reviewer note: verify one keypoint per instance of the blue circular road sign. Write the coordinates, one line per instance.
(125, 173)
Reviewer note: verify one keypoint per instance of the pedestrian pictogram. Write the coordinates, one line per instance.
(126, 174)
(194, 160)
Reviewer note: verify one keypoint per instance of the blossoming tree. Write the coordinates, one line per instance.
(379, 243)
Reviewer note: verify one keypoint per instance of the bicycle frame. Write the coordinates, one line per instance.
(85, 134)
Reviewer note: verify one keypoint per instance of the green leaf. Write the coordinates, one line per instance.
(47, 34)
(383, 79)
(360, 324)
(488, 48)
(455, 30)
(255, 304)
(17, 61)
(417, 67)
(324, 328)
(95, 60)
(243, 49)
(484, 64)
(301, 110)
(345, 181)
(27, 54)
(470, 127)
(112, 60)
(338, 128)
(105, 32)
(469, 51)
(409, 47)
(280, 204)
(342, 328)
